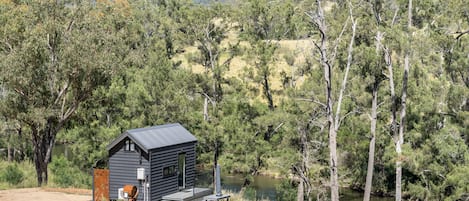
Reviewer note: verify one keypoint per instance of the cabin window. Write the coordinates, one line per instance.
(129, 145)
(169, 171)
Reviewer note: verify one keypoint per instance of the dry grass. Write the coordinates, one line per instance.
(299, 49)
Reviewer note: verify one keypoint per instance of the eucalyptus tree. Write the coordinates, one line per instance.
(374, 70)
(371, 66)
(327, 60)
(54, 56)
(206, 27)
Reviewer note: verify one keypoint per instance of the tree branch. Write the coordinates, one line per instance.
(19, 91)
(336, 44)
(61, 93)
(311, 100)
(207, 96)
(278, 127)
(346, 115)
(347, 69)
(460, 34)
(395, 16)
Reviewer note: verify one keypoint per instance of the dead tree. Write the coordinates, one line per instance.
(326, 61)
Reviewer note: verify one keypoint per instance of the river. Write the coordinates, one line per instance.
(266, 187)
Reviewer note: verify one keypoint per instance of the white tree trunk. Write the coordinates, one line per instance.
(206, 109)
(371, 151)
(9, 149)
(374, 114)
(333, 163)
(332, 121)
(400, 139)
(402, 122)
(300, 194)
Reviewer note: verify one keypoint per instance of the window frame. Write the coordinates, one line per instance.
(129, 146)
(169, 171)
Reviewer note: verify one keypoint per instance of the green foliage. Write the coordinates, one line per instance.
(249, 193)
(457, 184)
(24, 168)
(12, 174)
(286, 191)
(65, 174)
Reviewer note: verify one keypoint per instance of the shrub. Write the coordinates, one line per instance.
(287, 190)
(66, 174)
(60, 167)
(249, 193)
(12, 174)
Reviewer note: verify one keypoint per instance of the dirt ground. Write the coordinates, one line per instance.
(45, 194)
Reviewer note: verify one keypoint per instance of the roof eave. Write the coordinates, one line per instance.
(138, 144)
(116, 141)
(122, 137)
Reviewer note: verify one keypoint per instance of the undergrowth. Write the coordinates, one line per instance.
(62, 173)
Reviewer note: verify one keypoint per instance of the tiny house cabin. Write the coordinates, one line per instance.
(159, 160)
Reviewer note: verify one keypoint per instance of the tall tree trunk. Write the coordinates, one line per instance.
(333, 162)
(300, 195)
(206, 109)
(22, 144)
(374, 114)
(333, 123)
(38, 154)
(402, 122)
(394, 129)
(215, 162)
(9, 154)
(304, 166)
(267, 92)
(409, 16)
(327, 68)
(43, 142)
(371, 150)
(400, 139)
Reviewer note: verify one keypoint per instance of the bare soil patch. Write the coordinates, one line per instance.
(45, 194)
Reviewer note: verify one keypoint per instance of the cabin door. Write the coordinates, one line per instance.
(182, 170)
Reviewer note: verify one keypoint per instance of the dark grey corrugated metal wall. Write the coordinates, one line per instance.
(123, 170)
(168, 156)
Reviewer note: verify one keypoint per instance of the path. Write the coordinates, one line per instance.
(39, 194)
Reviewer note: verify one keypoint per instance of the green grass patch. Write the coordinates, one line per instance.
(65, 174)
(17, 175)
(62, 173)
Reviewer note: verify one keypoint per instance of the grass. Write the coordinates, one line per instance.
(29, 175)
(30, 180)
(239, 196)
(299, 49)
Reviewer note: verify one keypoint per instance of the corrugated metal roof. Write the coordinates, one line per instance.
(156, 136)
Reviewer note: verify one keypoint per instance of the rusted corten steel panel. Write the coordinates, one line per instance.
(101, 184)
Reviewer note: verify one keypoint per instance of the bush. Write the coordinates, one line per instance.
(12, 174)
(287, 190)
(250, 193)
(61, 168)
(65, 174)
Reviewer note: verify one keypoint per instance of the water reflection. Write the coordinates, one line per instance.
(62, 149)
(265, 187)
